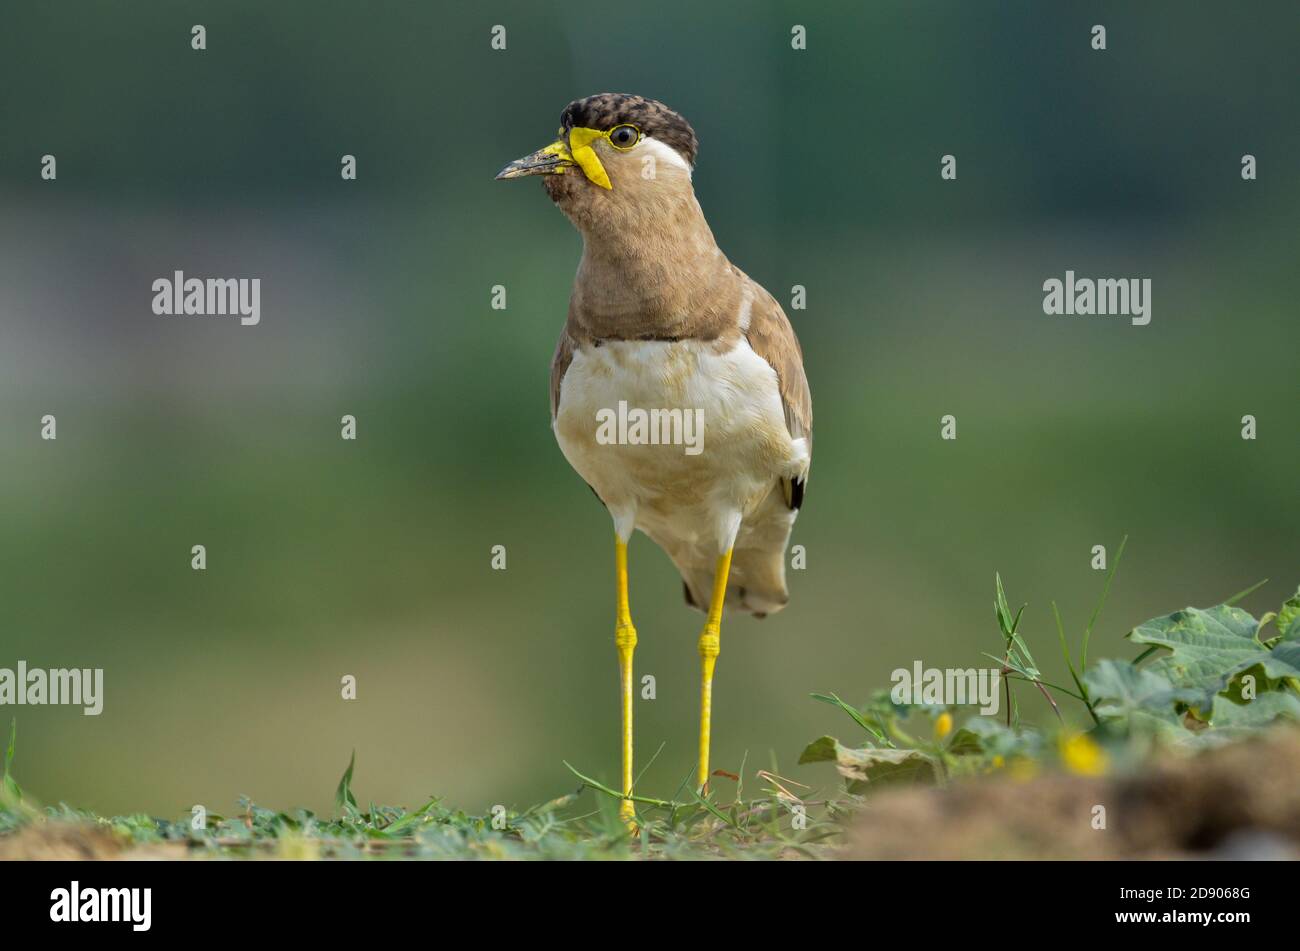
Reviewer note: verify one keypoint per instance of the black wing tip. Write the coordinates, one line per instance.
(796, 494)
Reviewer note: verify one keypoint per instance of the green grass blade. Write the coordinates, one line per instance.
(835, 701)
(1000, 608)
(1246, 593)
(343, 797)
(1105, 590)
(601, 787)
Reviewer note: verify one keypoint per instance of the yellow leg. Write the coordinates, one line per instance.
(625, 639)
(710, 645)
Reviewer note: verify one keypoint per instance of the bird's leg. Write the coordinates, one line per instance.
(625, 639)
(710, 645)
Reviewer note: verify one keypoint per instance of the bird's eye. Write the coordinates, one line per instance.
(624, 136)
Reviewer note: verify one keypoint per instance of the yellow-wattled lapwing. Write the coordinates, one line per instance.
(677, 388)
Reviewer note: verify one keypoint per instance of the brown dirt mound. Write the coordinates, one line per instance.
(47, 841)
(1239, 801)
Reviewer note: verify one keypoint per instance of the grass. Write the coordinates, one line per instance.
(1206, 677)
(582, 824)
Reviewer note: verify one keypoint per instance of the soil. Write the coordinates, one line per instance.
(1239, 801)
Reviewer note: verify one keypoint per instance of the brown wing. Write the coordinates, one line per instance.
(560, 364)
(772, 338)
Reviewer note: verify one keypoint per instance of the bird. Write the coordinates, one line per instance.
(663, 328)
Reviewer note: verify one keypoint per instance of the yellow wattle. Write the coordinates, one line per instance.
(580, 146)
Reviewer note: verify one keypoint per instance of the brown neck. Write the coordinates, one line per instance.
(650, 268)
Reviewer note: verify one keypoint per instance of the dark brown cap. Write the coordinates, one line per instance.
(608, 109)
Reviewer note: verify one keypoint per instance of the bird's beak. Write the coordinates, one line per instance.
(552, 160)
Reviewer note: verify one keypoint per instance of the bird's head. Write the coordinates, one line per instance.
(616, 156)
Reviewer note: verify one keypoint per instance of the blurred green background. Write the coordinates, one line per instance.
(818, 168)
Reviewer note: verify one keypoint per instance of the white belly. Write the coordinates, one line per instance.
(696, 490)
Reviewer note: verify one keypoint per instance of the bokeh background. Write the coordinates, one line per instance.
(818, 168)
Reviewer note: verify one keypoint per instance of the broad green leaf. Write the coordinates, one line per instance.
(1163, 727)
(992, 738)
(820, 750)
(1119, 690)
(1259, 680)
(1207, 645)
(1283, 660)
(1288, 618)
(868, 767)
(1264, 709)
(965, 742)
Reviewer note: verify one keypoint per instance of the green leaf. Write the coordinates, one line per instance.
(985, 735)
(1013, 662)
(868, 767)
(343, 798)
(1000, 608)
(1246, 592)
(965, 742)
(10, 792)
(601, 787)
(1028, 658)
(1288, 618)
(1119, 690)
(1207, 645)
(13, 740)
(857, 717)
(1101, 603)
(1166, 727)
(820, 750)
(1283, 660)
(717, 813)
(1264, 709)
(995, 739)
(1260, 682)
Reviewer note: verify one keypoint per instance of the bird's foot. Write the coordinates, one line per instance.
(627, 814)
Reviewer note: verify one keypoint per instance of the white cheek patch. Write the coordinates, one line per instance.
(665, 153)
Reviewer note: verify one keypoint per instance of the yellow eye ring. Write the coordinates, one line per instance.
(620, 130)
